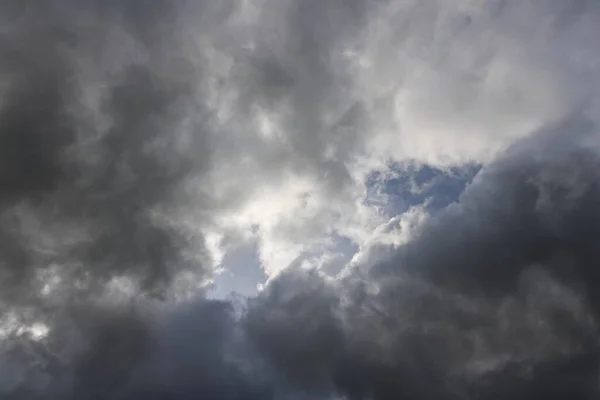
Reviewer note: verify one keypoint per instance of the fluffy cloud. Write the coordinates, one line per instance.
(323, 146)
(311, 107)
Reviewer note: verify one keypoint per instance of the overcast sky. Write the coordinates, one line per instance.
(299, 199)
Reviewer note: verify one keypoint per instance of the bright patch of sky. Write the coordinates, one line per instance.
(390, 193)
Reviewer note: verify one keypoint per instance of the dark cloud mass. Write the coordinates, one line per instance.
(106, 130)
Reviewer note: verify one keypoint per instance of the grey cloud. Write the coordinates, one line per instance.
(106, 181)
(88, 188)
(531, 206)
(496, 297)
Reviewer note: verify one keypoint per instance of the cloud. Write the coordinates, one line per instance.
(145, 147)
(317, 104)
(495, 290)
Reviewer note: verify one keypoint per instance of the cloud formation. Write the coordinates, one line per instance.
(145, 146)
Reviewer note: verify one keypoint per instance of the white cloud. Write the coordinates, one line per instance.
(304, 100)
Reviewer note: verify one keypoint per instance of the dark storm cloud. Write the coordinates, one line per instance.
(87, 188)
(495, 298)
(535, 205)
(107, 182)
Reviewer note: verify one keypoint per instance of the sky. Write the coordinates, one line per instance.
(298, 200)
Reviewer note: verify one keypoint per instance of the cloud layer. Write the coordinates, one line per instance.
(326, 147)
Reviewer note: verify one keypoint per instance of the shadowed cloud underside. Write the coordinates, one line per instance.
(279, 199)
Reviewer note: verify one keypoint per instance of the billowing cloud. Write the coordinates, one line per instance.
(416, 183)
(499, 290)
